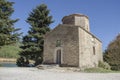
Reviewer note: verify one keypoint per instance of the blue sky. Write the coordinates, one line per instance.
(104, 15)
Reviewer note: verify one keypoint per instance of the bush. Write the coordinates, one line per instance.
(38, 61)
(112, 54)
(10, 51)
(20, 62)
(104, 65)
(115, 67)
(97, 70)
(0, 65)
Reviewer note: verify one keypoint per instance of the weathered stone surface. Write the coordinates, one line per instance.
(90, 49)
(69, 45)
(78, 20)
(78, 47)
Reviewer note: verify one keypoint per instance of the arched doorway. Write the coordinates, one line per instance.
(58, 56)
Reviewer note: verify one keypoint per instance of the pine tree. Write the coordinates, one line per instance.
(8, 34)
(39, 20)
(112, 54)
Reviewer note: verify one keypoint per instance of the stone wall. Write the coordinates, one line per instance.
(78, 46)
(69, 20)
(90, 49)
(77, 20)
(68, 34)
(82, 22)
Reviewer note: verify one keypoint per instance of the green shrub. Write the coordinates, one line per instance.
(115, 66)
(97, 70)
(0, 65)
(104, 65)
(20, 62)
(10, 51)
(112, 54)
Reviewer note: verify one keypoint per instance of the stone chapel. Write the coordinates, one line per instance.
(72, 44)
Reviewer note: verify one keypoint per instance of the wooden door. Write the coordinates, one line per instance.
(58, 57)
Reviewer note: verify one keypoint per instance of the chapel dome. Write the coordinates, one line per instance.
(77, 20)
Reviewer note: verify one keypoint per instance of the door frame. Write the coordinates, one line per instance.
(58, 56)
(55, 54)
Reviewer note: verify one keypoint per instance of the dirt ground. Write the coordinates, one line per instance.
(7, 60)
(17, 73)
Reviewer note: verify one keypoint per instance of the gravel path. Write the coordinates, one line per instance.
(37, 74)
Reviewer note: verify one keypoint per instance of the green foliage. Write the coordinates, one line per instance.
(112, 54)
(97, 70)
(21, 62)
(9, 51)
(39, 20)
(104, 65)
(0, 65)
(8, 34)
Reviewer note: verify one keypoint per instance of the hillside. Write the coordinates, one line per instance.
(10, 51)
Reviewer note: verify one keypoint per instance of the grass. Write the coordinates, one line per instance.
(0, 65)
(99, 70)
(10, 51)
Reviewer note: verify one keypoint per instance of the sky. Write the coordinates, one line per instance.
(104, 15)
